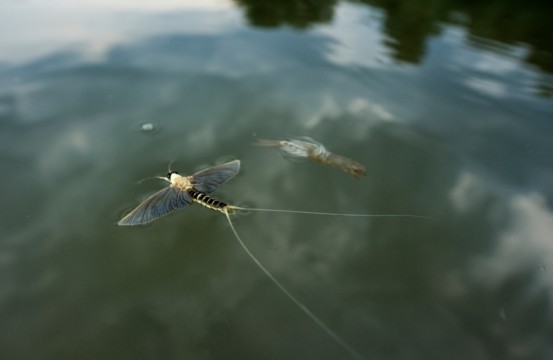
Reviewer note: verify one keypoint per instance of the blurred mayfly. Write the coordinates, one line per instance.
(184, 190)
(309, 148)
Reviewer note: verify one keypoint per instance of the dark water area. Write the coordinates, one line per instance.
(447, 104)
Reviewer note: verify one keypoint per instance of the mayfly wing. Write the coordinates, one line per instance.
(207, 180)
(157, 205)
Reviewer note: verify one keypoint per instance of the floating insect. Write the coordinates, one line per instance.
(185, 190)
(309, 148)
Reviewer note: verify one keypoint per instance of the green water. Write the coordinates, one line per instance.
(447, 104)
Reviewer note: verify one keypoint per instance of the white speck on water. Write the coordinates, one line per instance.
(147, 127)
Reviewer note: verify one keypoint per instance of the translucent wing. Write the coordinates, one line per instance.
(207, 180)
(157, 205)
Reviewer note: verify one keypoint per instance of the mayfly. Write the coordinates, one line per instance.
(184, 190)
(309, 148)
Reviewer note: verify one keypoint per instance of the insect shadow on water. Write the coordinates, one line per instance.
(185, 190)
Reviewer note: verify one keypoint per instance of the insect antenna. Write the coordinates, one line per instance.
(355, 354)
(169, 166)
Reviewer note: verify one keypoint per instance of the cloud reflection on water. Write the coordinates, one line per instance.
(92, 28)
(76, 121)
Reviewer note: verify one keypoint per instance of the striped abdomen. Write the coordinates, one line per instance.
(207, 201)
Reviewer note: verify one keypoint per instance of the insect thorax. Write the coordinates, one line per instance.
(183, 183)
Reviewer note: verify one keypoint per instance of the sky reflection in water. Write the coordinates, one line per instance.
(448, 123)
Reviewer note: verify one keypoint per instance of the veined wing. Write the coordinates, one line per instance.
(157, 205)
(207, 180)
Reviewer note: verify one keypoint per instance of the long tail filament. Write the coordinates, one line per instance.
(355, 354)
(231, 207)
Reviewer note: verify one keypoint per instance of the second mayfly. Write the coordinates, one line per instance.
(309, 148)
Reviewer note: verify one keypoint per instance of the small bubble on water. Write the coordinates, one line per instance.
(147, 127)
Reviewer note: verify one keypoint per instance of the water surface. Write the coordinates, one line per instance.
(449, 107)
